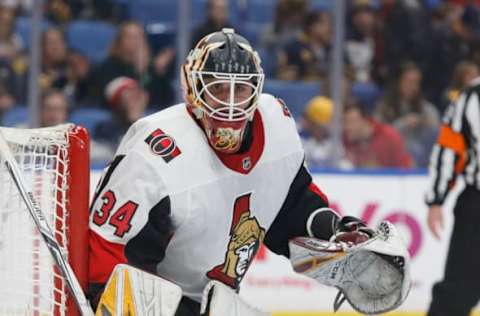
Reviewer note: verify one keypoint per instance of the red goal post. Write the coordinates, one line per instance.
(55, 163)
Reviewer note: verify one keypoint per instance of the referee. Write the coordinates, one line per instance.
(457, 153)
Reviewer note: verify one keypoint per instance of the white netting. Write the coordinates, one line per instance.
(28, 283)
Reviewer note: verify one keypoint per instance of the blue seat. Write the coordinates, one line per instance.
(198, 12)
(296, 94)
(91, 38)
(432, 4)
(23, 29)
(151, 11)
(260, 11)
(367, 94)
(160, 35)
(15, 116)
(90, 117)
(321, 5)
(251, 31)
(269, 61)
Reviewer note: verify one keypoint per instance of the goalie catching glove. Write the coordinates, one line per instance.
(351, 230)
(370, 268)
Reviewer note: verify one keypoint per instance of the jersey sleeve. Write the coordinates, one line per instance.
(129, 218)
(303, 199)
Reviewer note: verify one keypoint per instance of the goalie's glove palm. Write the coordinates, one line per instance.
(351, 230)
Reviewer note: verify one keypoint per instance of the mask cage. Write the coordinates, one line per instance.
(227, 110)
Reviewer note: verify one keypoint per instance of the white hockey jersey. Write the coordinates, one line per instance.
(220, 206)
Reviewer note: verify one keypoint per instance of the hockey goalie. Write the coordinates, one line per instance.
(195, 189)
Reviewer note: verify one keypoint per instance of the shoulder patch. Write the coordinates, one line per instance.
(162, 145)
(285, 109)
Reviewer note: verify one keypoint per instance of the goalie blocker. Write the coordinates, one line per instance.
(373, 275)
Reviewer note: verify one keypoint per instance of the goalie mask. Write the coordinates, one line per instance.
(222, 80)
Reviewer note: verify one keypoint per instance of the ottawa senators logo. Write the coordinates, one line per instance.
(162, 145)
(285, 109)
(246, 235)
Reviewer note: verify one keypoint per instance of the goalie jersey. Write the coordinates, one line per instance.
(169, 204)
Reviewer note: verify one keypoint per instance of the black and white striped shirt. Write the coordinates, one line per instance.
(457, 147)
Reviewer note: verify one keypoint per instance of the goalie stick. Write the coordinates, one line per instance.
(44, 229)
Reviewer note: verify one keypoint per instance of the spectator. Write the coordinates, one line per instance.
(405, 33)
(360, 45)
(463, 74)
(415, 118)
(54, 60)
(59, 11)
(130, 56)
(371, 144)
(12, 61)
(9, 81)
(306, 58)
(286, 26)
(53, 108)
(315, 134)
(10, 43)
(128, 101)
(62, 69)
(77, 88)
(449, 46)
(217, 18)
(6, 102)
(470, 23)
(20, 6)
(404, 97)
(64, 11)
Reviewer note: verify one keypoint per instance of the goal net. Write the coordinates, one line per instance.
(55, 165)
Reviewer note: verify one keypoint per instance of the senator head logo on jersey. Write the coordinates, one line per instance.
(246, 236)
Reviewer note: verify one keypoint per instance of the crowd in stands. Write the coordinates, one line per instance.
(108, 63)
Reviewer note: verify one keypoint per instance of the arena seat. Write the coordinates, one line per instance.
(160, 35)
(367, 94)
(260, 11)
(269, 61)
(251, 31)
(321, 5)
(23, 29)
(296, 94)
(90, 117)
(151, 11)
(15, 116)
(91, 38)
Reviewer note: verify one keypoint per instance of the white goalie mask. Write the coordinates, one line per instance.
(222, 81)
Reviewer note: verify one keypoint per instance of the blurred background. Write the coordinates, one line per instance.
(367, 82)
(371, 77)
